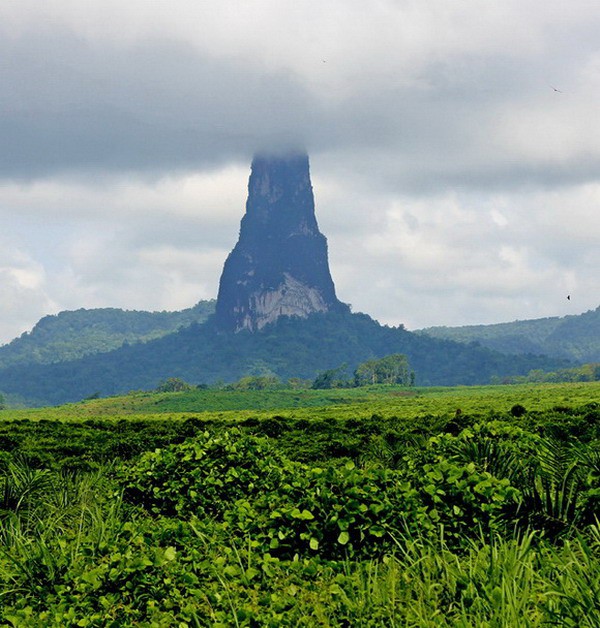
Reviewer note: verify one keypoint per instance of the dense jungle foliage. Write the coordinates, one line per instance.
(371, 506)
(292, 347)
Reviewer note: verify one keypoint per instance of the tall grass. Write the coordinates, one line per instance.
(45, 518)
(520, 582)
(496, 583)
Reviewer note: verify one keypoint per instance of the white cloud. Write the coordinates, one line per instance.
(132, 243)
(465, 259)
(23, 291)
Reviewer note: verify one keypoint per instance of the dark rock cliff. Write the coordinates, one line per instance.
(279, 266)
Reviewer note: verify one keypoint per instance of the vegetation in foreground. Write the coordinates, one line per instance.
(468, 516)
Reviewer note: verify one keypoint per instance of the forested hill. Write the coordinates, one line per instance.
(292, 347)
(73, 334)
(575, 337)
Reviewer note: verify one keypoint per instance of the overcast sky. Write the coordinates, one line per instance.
(454, 148)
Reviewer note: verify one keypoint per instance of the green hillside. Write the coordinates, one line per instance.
(73, 334)
(575, 337)
(292, 347)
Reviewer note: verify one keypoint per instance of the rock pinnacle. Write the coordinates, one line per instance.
(279, 266)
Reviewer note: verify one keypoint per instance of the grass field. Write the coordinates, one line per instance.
(363, 402)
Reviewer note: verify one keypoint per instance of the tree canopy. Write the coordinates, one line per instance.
(391, 369)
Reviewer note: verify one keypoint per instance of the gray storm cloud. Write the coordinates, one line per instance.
(459, 114)
(157, 106)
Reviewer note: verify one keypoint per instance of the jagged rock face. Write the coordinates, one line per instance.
(279, 266)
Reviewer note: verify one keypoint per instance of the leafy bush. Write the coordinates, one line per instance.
(375, 521)
(472, 480)
(333, 511)
(518, 410)
(202, 476)
(287, 506)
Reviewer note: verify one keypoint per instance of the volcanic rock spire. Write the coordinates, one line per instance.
(279, 265)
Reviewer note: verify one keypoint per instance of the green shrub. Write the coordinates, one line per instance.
(287, 507)
(174, 384)
(471, 481)
(333, 512)
(203, 476)
(518, 410)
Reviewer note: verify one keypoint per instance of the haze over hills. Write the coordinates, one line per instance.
(276, 313)
(575, 337)
(72, 335)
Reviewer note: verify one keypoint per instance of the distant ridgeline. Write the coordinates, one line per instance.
(72, 335)
(576, 337)
(276, 313)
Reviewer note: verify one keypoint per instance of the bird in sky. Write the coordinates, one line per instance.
(556, 90)
(568, 297)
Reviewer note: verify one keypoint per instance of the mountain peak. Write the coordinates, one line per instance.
(279, 266)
